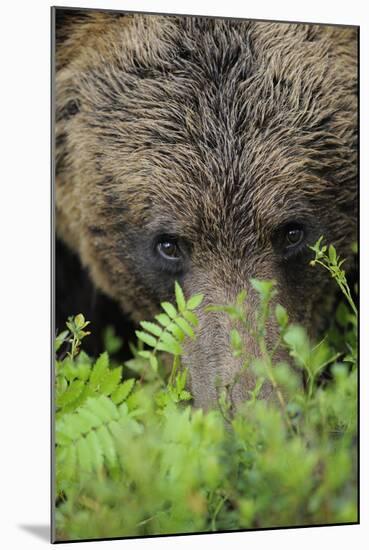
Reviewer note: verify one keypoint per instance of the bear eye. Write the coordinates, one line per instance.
(168, 249)
(72, 107)
(294, 235)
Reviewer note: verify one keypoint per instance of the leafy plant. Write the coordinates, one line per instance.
(167, 334)
(332, 263)
(134, 458)
(81, 379)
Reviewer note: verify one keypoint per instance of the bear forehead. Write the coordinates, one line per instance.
(238, 117)
(221, 98)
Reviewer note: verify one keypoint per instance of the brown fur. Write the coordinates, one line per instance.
(219, 132)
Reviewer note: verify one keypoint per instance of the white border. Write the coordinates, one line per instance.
(25, 261)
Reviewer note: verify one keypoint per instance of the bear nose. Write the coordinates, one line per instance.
(214, 368)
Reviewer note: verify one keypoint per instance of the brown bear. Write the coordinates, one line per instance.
(206, 151)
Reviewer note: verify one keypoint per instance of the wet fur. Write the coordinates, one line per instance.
(220, 132)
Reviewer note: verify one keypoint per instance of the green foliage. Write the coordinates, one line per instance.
(333, 263)
(76, 327)
(80, 379)
(112, 342)
(133, 457)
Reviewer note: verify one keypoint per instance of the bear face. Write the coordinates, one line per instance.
(208, 152)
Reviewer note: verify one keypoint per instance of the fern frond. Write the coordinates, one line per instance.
(88, 438)
(78, 382)
(172, 326)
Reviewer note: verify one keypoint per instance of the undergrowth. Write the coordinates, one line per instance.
(134, 458)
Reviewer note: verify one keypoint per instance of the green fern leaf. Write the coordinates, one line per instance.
(103, 407)
(153, 328)
(123, 391)
(170, 344)
(73, 391)
(176, 331)
(187, 329)
(67, 429)
(83, 371)
(195, 301)
(84, 395)
(146, 338)
(107, 445)
(62, 437)
(82, 423)
(60, 339)
(70, 462)
(90, 418)
(111, 381)
(61, 386)
(84, 455)
(66, 463)
(163, 319)
(99, 371)
(191, 318)
(95, 450)
(168, 338)
(169, 309)
(180, 299)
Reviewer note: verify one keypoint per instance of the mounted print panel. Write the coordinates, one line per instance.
(205, 273)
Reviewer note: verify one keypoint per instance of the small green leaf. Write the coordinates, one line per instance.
(111, 381)
(90, 418)
(176, 331)
(95, 450)
(107, 445)
(195, 301)
(316, 247)
(191, 317)
(181, 380)
(343, 314)
(84, 457)
(168, 338)
(173, 347)
(298, 343)
(163, 319)
(180, 299)
(185, 395)
(153, 362)
(69, 464)
(79, 321)
(99, 370)
(264, 288)
(145, 354)
(121, 393)
(259, 367)
(112, 342)
(235, 339)
(146, 338)
(332, 254)
(60, 339)
(71, 394)
(153, 328)
(169, 309)
(187, 329)
(281, 316)
(103, 407)
(241, 297)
